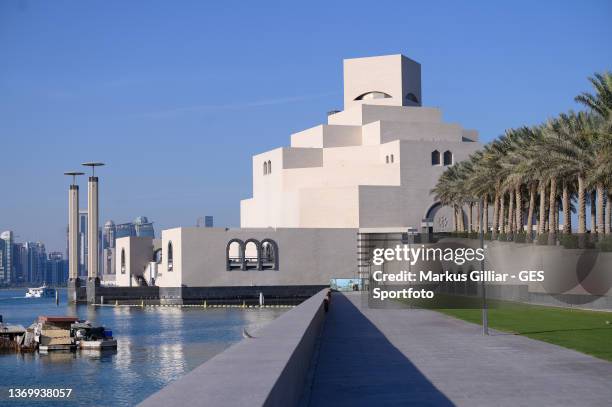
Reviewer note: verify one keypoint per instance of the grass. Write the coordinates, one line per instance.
(588, 332)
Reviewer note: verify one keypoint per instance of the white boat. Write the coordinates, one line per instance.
(39, 292)
(107, 343)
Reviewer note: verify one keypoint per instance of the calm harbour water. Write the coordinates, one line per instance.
(155, 346)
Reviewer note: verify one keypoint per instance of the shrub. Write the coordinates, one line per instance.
(502, 237)
(569, 241)
(543, 239)
(605, 245)
(520, 237)
(488, 236)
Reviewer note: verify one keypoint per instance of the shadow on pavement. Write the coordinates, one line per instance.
(357, 366)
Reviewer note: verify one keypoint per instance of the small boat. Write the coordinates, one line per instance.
(99, 344)
(91, 337)
(39, 292)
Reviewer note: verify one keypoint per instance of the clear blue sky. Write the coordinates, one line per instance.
(177, 96)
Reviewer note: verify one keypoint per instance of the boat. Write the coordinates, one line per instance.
(88, 336)
(39, 292)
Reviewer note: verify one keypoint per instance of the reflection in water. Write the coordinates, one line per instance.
(155, 345)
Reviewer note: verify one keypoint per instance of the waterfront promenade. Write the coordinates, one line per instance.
(402, 357)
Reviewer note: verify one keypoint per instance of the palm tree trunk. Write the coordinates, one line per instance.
(542, 208)
(593, 216)
(600, 209)
(502, 218)
(478, 216)
(519, 210)
(461, 220)
(556, 216)
(511, 213)
(567, 215)
(470, 218)
(609, 214)
(581, 206)
(495, 216)
(532, 193)
(455, 219)
(551, 210)
(485, 215)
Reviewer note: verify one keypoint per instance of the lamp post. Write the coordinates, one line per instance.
(485, 314)
(73, 236)
(92, 231)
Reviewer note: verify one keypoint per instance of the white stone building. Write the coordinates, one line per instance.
(371, 167)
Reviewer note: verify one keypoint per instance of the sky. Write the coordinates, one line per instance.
(175, 97)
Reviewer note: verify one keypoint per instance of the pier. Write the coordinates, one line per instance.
(356, 356)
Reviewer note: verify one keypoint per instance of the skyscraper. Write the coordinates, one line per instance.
(56, 269)
(143, 227)
(8, 270)
(108, 240)
(37, 262)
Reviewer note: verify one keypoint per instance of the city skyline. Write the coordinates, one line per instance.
(107, 94)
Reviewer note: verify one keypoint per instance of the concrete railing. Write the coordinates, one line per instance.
(267, 370)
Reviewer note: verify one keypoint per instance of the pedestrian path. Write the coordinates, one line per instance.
(400, 357)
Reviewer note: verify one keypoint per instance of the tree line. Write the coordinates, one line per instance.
(533, 174)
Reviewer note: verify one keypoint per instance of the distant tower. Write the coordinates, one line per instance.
(109, 234)
(206, 221)
(143, 227)
(7, 257)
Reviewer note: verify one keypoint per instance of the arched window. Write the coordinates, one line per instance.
(122, 261)
(435, 157)
(391, 157)
(170, 257)
(269, 167)
(252, 255)
(448, 158)
(387, 159)
(265, 168)
(269, 254)
(234, 254)
(373, 95)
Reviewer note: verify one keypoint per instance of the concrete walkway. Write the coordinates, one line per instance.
(400, 357)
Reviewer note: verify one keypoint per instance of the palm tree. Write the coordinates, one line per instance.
(569, 156)
(569, 140)
(601, 101)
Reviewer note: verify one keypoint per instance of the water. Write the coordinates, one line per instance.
(155, 346)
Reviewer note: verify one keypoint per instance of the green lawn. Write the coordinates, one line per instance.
(589, 332)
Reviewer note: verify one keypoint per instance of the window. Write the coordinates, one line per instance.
(252, 255)
(265, 168)
(373, 95)
(435, 157)
(391, 157)
(170, 257)
(448, 158)
(269, 254)
(234, 254)
(122, 261)
(269, 167)
(387, 159)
